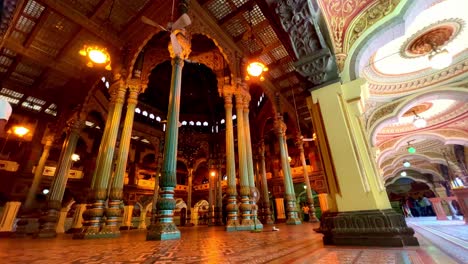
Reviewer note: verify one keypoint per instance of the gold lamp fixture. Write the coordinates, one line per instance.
(256, 69)
(96, 56)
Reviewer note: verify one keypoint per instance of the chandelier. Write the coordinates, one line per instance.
(419, 121)
(256, 69)
(96, 56)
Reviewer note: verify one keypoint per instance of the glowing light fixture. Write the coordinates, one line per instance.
(20, 131)
(406, 164)
(256, 69)
(75, 157)
(45, 191)
(213, 173)
(289, 159)
(96, 55)
(403, 174)
(411, 150)
(440, 59)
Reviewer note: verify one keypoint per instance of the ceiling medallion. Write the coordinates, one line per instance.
(425, 40)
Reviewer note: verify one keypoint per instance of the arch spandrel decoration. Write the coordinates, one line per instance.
(433, 172)
(430, 157)
(199, 26)
(447, 136)
(391, 111)
(414, 178)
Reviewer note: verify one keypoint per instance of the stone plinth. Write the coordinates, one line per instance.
(383, 228)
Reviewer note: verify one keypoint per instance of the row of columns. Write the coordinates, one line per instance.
(104, 186)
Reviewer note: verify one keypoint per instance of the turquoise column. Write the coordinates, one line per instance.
(254, 193)
(113, 211)
(289, 195)
(246, 207)
(310, 198)
(38, 172)
(189, 197)
(94, 216)
(232, 208)
(164, 228)
(57, 190)
(102, 146)
(266, 197)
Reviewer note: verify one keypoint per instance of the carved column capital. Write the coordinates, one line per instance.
(75, 125)
(279, 126)
(227, 100)
(117, 91)
(134, 88)
(300, 142)
(239, 101)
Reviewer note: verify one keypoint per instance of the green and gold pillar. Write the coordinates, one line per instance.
(289, 194)
(54, 199)
(310, 197)
(266, 197)
(219, 196)
(113, 211)
(164, 228)
(189, 197)
(49, 140)
(245, 207)
(94, 216)
(254, 193)
(364, 215)
(232, 208)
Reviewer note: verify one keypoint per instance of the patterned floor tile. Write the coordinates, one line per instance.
(292, 244)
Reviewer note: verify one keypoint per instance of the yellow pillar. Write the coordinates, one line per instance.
(361, 187)
(364, 214)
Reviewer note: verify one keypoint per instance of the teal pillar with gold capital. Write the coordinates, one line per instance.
(254, 193)
(38, 172)
(54, 200)
(245, 207)
(164, 228)
(310, 198)
(93, 216)
(266, 197)
(113, 211)
(289, 195)
(232, 208)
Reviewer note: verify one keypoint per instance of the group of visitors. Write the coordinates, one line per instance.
(417, 207)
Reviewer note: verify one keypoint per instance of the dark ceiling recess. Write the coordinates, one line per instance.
(200, 100)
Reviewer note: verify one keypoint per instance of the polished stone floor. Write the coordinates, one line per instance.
(291, 244)
(450, 236)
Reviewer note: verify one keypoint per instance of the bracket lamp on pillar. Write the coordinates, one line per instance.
(96, 56)
(418, 121)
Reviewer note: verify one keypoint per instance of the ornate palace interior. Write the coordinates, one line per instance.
(149, 116)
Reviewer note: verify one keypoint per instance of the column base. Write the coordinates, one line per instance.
(45, 234)
(162, 231)
(96, 235)
(293, 221)
(257, 225)
(232, 225)
(382, 228)
(313, 220)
